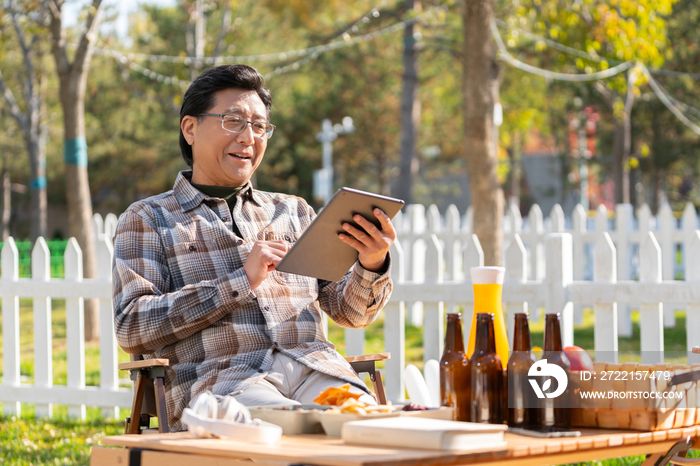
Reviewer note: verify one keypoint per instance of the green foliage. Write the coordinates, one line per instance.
(56, 250)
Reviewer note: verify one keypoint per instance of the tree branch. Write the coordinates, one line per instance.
(12, 103)
(87, 40)
(58, 38)
(30, 95)
(225, 24)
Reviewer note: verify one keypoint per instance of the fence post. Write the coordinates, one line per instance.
(579, 221)
(605, 327)
(434, 320)
(453, 244)
(43, 350)
(473, 257)
(98, 225)
(416, 258)
(516, 272)
(395, 332)
(692, 274)
(557, 219)
(624, 221)
(536, 230)
(111, 221)
(75, 326)
(109, 373)
(667, 225)
(10, 324)
(651, 315)
(559, 277)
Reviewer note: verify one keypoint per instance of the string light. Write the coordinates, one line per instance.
(597, 76)
(357, 39)
(670, 103)
(661, 94)
(591, 56)
(187, 60)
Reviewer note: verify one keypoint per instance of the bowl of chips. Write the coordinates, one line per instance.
(345, 406)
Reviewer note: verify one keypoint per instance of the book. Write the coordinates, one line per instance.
(427, 434)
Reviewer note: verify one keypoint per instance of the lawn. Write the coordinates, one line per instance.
(60, 440)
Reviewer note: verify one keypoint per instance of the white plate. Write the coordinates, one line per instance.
(332, 422)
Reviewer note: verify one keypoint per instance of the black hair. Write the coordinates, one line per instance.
(199, 97)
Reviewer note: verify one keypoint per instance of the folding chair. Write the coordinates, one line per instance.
(149, 397)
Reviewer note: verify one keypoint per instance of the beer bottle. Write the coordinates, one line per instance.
(455, 372)
(522, 401)
(487, 374)
(556, 412)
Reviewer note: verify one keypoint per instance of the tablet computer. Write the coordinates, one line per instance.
(319, 253)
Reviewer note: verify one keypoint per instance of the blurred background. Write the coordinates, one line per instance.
(395, 67)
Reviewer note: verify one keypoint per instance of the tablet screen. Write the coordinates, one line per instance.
(319, 253)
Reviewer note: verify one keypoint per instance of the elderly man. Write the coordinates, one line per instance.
(194, 267)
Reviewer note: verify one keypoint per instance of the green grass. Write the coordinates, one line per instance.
(25, 440)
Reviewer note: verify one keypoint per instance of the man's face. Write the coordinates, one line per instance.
(223, 158)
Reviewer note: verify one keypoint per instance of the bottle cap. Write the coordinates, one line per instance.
(484, 275)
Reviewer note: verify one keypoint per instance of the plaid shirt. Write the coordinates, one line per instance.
(180, 292)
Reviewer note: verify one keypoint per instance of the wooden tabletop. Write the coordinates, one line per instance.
(323, 450)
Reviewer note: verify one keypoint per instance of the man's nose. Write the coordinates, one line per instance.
(246, 136)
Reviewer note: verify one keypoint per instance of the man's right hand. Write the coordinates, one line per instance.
(262, 260)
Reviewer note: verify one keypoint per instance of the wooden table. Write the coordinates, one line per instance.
(180, 449)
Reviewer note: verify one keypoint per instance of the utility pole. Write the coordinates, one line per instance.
(323, 178)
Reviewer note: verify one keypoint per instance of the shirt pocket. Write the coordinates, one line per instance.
(196, 261)
(298, 284)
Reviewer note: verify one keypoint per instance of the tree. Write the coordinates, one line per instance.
(611, 32)
(480, 92)
(72, 82)
(33, 129)
(410, 108)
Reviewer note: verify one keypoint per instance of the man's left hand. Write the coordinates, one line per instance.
(373, 245)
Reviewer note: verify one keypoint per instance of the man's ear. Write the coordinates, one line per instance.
(188, 125)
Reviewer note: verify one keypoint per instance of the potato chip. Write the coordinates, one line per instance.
(336, 396)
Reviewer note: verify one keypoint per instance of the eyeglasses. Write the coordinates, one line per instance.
(236, 124)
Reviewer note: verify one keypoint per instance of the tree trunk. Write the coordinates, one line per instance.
(6, 201)
(622, 143)
(72, 81)
(480, 91)
(410, 110)
(37, 185)
(78, 192)
(197, 41)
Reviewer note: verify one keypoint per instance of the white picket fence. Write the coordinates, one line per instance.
(544, 261)
(545, 266)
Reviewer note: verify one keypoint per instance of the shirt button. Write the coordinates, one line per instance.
(287, 237)
(235, 294)
(261, 371)
(225, 219)
(193, 248)
(239, 242)
(267, 308)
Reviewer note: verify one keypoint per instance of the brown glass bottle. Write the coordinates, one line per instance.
(455, 371)
(487, 385)
(556, 412)
(523, 403)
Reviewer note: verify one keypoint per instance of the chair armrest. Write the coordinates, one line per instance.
(143, 364)
(368, 357)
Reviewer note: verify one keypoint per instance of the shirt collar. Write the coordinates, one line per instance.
(190, 197)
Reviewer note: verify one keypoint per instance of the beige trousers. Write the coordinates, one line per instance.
(291, 383)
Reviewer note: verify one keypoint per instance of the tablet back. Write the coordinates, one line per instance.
(319, 253)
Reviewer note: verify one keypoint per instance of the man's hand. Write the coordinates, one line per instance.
(262, 260)
(372, 246)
